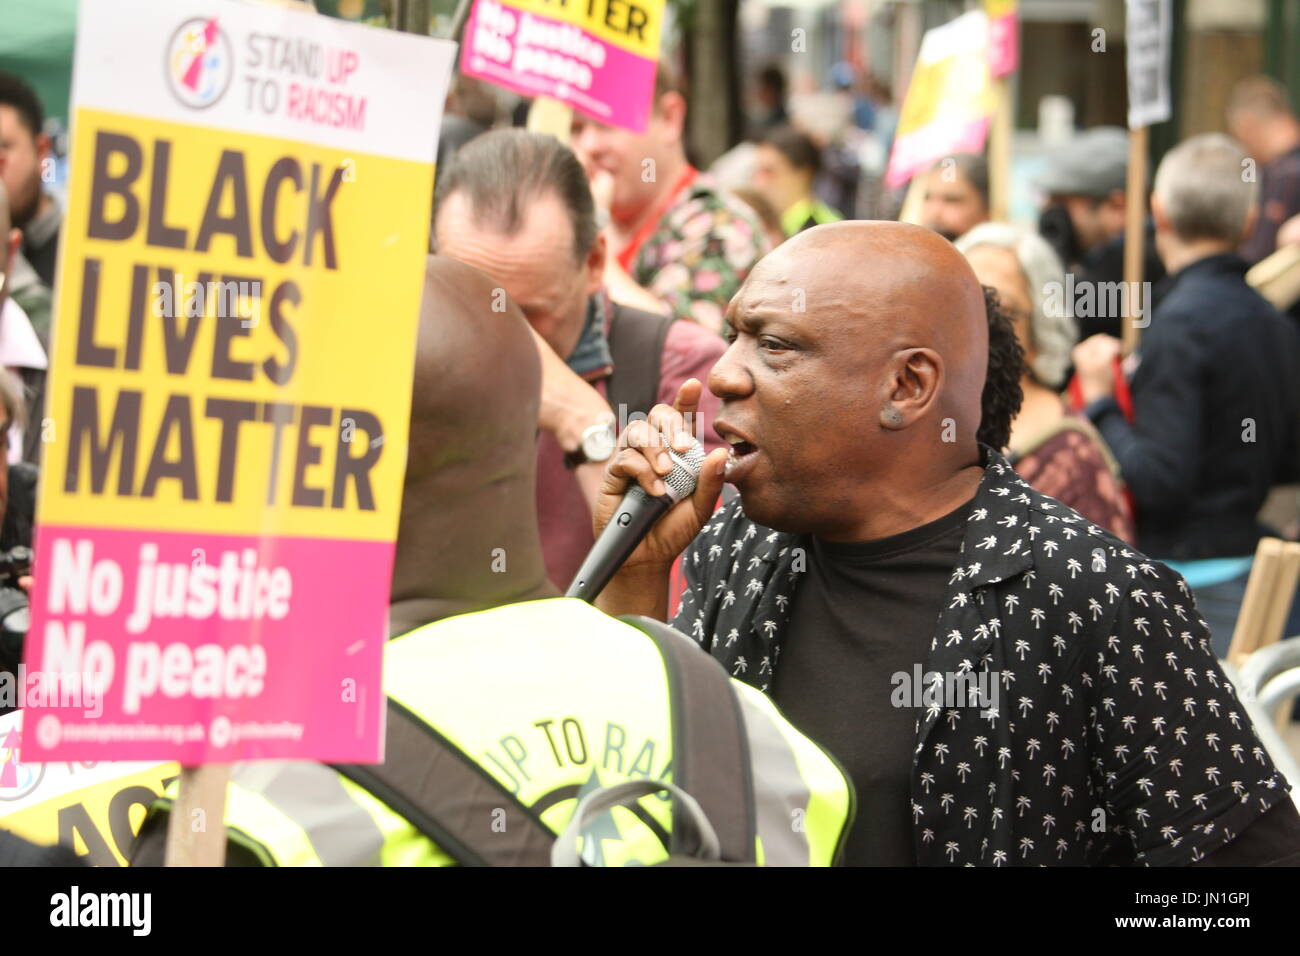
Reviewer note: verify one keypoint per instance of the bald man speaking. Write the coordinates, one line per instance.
(1005, 682)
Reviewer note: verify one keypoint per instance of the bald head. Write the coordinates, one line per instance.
(467, 537)
(856, 373)
(906, 287)
(477, 375)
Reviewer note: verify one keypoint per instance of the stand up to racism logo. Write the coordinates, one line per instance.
(200, 63)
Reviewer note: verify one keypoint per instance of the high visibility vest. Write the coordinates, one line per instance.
(550, 700)
(805, 214)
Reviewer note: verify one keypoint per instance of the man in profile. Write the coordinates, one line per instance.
(542, 699)
(1260, 118)
(517, 206)
(684, 240)
(876, 546)
(1086, 185)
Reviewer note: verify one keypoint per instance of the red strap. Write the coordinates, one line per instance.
(1123, 395)
(1124, 399)
(652, 222)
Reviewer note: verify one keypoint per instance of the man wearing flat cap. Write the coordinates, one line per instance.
(1085, 185)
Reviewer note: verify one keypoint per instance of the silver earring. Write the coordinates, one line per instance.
(894, 418)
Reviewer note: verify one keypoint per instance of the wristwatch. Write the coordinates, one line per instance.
(598, 443)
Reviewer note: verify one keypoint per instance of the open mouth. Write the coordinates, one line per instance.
(742, 455)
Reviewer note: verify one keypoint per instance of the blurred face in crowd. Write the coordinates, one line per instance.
(9, 239)
(634, 161)
(4, 455)
(777, 178)
(536, 266)
(21, 155)
(804, 390)
(1000, 269)
(1251, 129)
(1095, 221)
(952, 205)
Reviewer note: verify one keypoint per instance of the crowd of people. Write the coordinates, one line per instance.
(921, 458)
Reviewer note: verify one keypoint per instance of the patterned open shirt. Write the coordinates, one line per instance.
(1116, 738)
(701, 253)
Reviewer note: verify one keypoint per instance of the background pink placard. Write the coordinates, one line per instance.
(916, 152)
(620, 91)
(321, 698)
(1004, 45)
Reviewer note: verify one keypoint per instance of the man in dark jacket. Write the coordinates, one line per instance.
(1216, 391)
(879, 562)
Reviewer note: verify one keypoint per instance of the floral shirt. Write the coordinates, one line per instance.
(703, 249)
(1113, 736)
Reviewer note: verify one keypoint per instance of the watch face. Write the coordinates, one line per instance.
(598, 443)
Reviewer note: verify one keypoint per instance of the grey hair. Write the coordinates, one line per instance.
(1203, 189)
(502, 171)
(1054, 330)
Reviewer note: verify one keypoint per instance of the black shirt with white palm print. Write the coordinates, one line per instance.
(1115, 736)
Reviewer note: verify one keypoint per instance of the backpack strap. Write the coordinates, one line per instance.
(710, 748)
(449, 798)
(634, 335)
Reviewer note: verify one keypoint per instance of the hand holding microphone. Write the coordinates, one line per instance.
(644, 460)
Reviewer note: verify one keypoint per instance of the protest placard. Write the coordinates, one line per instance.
(1004, 37)
(1148, 32)
(239, 287)
(599, 56)
(92, 807)
(949, 101)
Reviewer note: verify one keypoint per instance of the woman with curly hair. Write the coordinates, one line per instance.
(1057, 452)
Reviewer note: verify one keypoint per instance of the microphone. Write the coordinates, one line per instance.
(636, 514)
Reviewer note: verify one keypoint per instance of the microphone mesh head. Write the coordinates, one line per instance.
(680, 482)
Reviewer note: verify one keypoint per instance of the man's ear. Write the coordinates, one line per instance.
(672, 112)
(1252, 220)
(595, 265)
(913, 387)
(1158, 214)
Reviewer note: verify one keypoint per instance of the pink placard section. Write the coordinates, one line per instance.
(604, 81)
(916, 152)
(202, 648)
(1004, 45)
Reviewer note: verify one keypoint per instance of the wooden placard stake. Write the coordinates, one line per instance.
(196, 832)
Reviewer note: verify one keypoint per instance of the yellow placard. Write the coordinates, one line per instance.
(633, 25)
(98, 822)
(213, 275)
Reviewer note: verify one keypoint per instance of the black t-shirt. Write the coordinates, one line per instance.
(864, 612)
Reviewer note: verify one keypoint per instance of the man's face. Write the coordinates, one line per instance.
(776, 178)
(536, 266)
(801, 391)
(952, 205)
(22, 154)
(1094, 220)
(1247, 128)
(631, 159)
